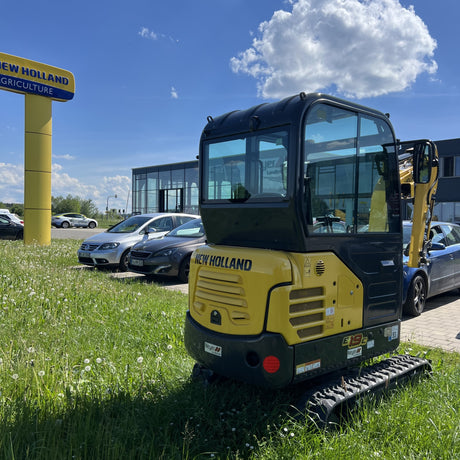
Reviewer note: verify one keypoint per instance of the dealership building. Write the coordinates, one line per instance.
(174, 187)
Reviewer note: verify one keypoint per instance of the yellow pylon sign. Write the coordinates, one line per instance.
(41, 84)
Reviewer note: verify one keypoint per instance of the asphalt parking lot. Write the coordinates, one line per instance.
(437, 327)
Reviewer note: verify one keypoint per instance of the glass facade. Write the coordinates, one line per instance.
(166, 188)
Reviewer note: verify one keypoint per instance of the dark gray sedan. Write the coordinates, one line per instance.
(10, 230)
(169, 255)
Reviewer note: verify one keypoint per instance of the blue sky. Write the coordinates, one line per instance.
(148, 73)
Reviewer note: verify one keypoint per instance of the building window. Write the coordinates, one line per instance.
(448, 167)
(457, 166)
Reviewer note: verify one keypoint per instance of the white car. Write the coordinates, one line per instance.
(111, 248)
(11, 216)
(72, 219)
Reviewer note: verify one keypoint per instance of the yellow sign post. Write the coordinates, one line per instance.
(41, 84)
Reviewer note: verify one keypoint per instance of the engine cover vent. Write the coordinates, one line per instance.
(320, 268)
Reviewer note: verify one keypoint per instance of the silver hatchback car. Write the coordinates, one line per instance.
(111, 248)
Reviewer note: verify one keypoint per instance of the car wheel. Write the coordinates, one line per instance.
(65, 224)
(184, 270)
(92, 225)
(124, 259)
(20, 235)
(416, 296)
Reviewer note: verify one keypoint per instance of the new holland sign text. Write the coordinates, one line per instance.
(30, 77)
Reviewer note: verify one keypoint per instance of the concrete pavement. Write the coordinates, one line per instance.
(438, 326)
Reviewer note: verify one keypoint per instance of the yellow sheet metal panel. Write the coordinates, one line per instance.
(229, 287)
(325, 299)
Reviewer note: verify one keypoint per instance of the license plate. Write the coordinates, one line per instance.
(137, 262)
(84, 254)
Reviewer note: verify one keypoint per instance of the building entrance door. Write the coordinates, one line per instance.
(171, 200)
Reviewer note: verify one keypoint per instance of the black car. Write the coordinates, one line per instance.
(169, 255)
(10, 230)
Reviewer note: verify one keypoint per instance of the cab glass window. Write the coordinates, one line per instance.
(249, 168)
(348, 185)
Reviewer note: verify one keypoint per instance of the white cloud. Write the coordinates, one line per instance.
(174, 94)
(361, 48)
(64, 157)
(145, 32)
(11, 182)
(148, 34)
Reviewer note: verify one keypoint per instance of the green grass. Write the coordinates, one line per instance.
(94, 367)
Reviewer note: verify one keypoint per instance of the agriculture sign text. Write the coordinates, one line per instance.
(24, 76)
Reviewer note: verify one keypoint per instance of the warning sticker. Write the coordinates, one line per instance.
(306, 367)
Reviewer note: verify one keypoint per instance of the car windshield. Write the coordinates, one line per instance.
(129, 225)
(192, 229)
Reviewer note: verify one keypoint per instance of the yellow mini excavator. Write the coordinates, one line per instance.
(302, 272)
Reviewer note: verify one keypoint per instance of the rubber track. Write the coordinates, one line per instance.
(325, 403)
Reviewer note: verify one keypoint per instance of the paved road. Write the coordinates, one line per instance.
(438, 326)
(74, 233)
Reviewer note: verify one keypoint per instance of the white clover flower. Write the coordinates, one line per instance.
(31, 349)
(140, 359)
(15, 376)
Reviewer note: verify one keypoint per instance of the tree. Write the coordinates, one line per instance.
(17, 209)
(71, 203)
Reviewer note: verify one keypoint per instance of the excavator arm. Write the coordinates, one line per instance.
(418, 170)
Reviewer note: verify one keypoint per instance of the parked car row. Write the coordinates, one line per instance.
(112, 247)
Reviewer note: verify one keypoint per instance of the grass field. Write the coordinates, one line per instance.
(94, 367)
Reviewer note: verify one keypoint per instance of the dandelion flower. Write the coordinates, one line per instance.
(98, 360)
(87, 368)
(15, 376)
(31, 349)
(169, 347)
(86, 361)
(41, 373)
(140, 359)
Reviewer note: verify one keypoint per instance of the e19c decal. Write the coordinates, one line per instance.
(354, 341)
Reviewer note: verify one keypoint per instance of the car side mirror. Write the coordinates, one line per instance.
(437, 246)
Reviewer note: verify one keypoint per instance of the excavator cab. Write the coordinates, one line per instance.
(302, 271)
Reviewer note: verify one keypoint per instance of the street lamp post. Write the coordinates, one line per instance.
(107, 207)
